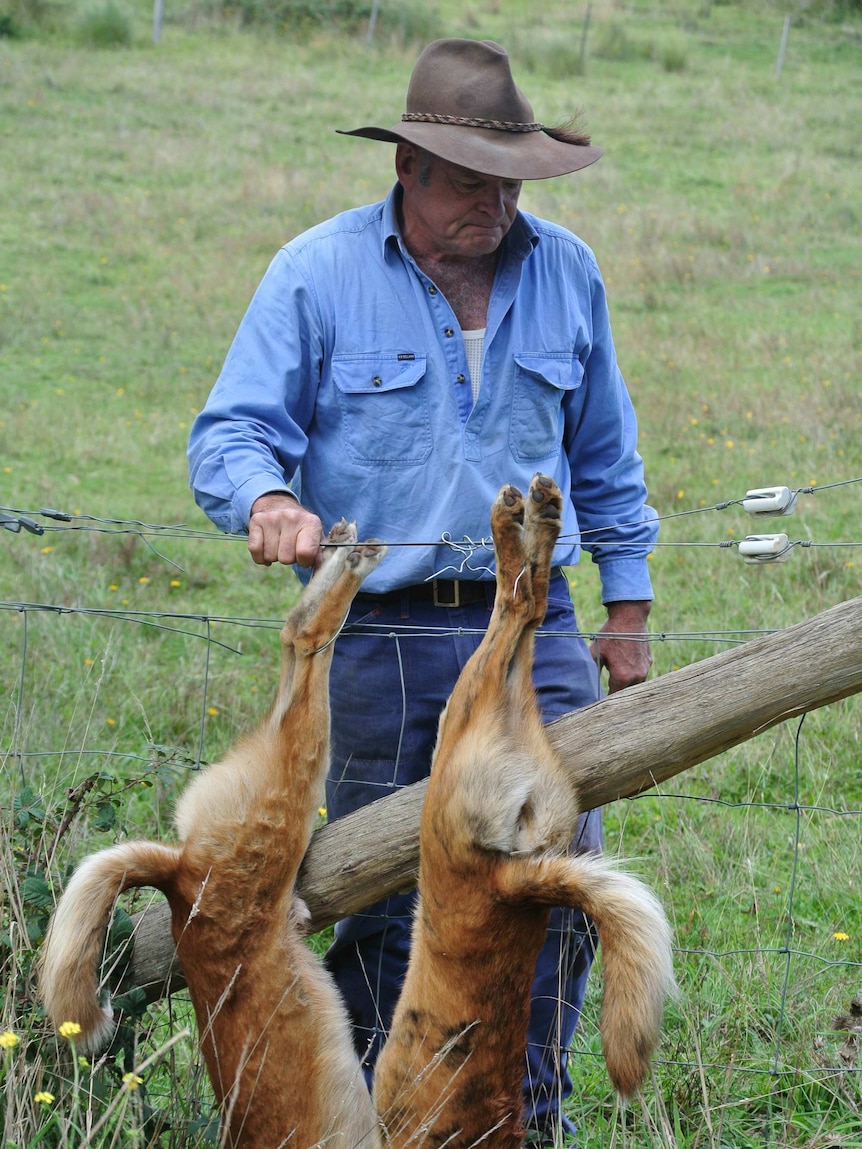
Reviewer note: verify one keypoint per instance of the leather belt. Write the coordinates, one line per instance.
(440, 592)
(443, 592)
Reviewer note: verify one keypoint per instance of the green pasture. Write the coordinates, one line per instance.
(143, 190)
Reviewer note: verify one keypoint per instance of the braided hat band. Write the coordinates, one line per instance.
(469, 122)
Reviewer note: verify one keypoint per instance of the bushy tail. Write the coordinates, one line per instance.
(68, 973)
(636, 950)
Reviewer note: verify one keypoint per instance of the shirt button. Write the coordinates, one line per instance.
(460, 378)
(377, 381)
(432, 290)
(448, 332)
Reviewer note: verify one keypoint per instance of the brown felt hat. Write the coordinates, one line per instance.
(464, 106)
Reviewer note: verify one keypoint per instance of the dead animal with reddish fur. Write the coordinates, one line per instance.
(273, 1029)
(499, 814)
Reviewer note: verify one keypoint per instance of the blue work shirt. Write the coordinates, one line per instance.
(348, 380)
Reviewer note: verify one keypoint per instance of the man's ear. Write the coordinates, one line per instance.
(407, 162)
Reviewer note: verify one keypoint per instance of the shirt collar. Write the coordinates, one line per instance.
(391, 228)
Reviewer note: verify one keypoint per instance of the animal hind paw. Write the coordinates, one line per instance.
(543, 519)
(546, 500)
(342, 532)
(364, 557)
(340, 536)
(507, 513)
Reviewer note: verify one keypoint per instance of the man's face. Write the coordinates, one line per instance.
(450, 212)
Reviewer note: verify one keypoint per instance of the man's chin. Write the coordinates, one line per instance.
(482, 241)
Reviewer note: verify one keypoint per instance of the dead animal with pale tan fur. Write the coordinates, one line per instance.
(273, 1029)
(497, 821)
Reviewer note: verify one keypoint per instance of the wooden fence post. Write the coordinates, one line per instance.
(158, 19)
(583, 52)
(372, 22)
(782, 48)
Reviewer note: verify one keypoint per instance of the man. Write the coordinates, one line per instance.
(397, 364)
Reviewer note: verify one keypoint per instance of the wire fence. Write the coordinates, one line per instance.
(755, 856)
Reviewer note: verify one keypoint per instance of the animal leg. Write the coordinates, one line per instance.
(313, 624)
(542, 521)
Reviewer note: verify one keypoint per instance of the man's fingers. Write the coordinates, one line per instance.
(308, 545)
(281, 531)
(257, 543)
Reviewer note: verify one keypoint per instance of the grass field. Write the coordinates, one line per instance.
(144, 190)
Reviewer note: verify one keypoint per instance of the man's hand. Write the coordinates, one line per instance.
(282, 531)
(627, 659)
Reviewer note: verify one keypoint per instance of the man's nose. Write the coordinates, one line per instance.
(493, 202)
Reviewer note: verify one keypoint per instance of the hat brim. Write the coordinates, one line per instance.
(506, 155)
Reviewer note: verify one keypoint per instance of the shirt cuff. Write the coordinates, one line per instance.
(625, 580)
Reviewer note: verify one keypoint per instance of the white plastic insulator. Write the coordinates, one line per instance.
(764, 548)
(770, 501)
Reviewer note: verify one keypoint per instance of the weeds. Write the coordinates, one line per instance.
(105, 26)
(54, 1095)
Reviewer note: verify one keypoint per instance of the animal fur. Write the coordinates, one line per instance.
(498, 817)
(273, 1030)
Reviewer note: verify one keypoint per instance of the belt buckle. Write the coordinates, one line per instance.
(456, 593)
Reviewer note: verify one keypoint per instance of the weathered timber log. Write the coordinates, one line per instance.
(616, 748)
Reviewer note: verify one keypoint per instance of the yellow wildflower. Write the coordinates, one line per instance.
(8, 1040)
(69, 1029)
(44, 1097)
(132, 1081)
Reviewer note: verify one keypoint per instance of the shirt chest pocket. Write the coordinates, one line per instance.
(541, 384)
(385, 408)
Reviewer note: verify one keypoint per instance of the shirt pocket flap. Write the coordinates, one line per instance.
(374, 375)
(563, 371)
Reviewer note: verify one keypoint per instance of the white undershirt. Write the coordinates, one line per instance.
(474, 345)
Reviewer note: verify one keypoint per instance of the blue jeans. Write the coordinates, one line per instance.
(393, 669)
